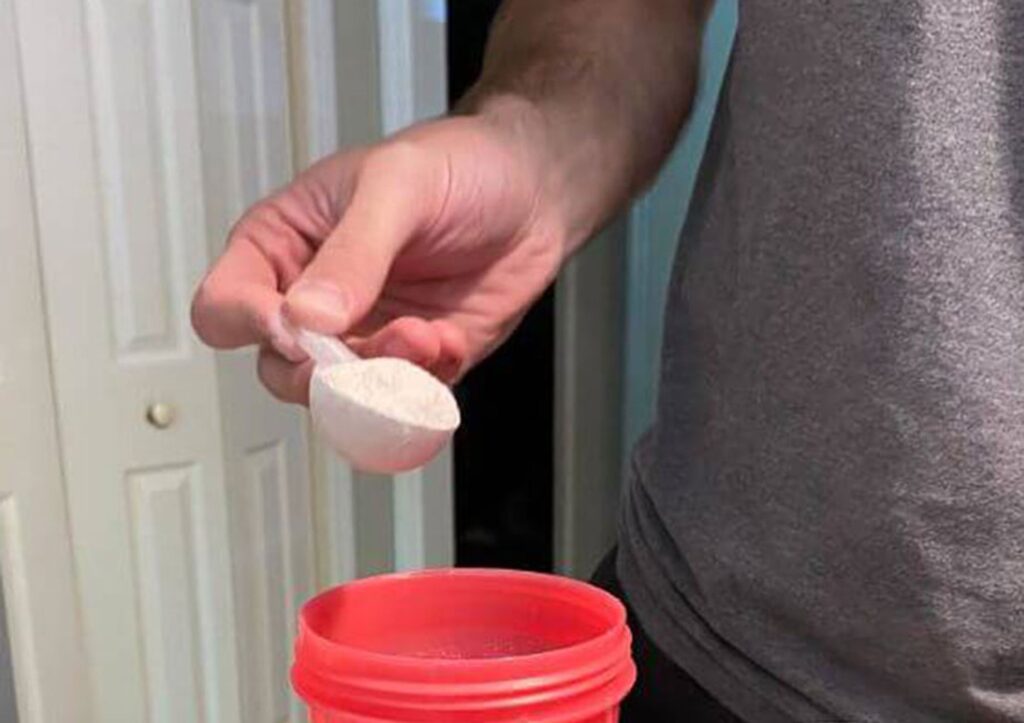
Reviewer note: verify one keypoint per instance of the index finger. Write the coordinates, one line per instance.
(238, 303)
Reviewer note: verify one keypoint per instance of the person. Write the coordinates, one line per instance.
(826, 521)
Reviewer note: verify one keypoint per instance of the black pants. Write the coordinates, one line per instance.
(663, 692)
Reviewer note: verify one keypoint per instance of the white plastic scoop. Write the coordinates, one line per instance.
(382, 415)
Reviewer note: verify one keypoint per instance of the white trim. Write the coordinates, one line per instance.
(397, 84)
(320, 66)
(588, 402)
(408, 532)
(335, 516)
(423, 525)
(642, 337)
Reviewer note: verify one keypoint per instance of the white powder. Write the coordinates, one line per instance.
(397, 389)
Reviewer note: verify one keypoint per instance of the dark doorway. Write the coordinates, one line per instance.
(503, 451)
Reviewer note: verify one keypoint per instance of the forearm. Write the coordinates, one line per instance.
(599, 88)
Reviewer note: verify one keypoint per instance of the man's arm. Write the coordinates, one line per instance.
(603, 86)
(433, 243)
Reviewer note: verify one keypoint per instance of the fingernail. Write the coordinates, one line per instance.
(324, 305)
(283, 340)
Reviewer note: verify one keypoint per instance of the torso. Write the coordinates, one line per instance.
(828, 516)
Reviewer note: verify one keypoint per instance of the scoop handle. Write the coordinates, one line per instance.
(322, 349)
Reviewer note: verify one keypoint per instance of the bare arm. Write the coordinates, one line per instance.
(432, 243)
(603, 87)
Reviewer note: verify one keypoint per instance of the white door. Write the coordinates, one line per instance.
(152, 123)
(195, 528)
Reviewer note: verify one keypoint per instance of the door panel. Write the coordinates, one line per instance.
(144, 113)
(165, 564)
(273, 572)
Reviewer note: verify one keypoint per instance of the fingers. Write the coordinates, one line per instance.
(244, 315)
(238, 304)
(438, 346)
(287, 381)
(454, 355)
(409, 338)
(343, 281)
(232, 305)
(334, 288)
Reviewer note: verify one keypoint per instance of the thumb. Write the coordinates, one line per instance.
(344, 280)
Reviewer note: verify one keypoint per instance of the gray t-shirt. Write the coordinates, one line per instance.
(826, 522)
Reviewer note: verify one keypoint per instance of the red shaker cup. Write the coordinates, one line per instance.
(463, 646)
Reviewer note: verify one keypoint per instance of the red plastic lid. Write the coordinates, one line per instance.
(463, 645)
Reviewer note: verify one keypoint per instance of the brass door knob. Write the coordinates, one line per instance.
(161, 415)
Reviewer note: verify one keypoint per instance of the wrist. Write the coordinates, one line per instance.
(573, 186)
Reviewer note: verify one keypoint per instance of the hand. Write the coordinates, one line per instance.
(429, 246)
